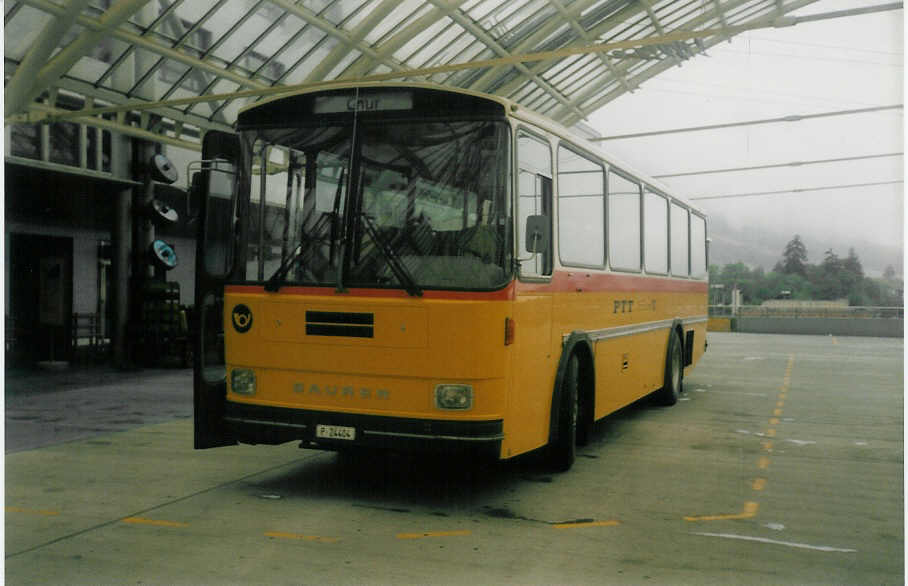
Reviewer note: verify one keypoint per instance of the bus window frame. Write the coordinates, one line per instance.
(604, 169)
(649, 189)
(705, 275)
(674, 202)
(548, 262)
(608, 254)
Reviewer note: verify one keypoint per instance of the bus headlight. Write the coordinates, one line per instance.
(242, 381)
(454, 397)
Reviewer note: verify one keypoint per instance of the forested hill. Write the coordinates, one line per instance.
(759, 247)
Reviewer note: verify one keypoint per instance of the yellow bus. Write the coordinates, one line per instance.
(411, 267)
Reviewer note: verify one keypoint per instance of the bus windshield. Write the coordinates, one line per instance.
(405, 204)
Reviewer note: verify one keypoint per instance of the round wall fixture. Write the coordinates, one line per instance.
(163, 170)
(163, 255)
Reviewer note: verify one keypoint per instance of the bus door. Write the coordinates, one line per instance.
(216, 249)
(533, 366)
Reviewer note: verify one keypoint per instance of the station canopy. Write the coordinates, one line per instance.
(177, 68)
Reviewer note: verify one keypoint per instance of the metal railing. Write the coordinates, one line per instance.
(850, 312)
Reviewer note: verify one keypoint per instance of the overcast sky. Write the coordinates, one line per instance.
(841, 64)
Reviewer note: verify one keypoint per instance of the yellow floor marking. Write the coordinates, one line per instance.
(31, 511)
(771, 432)
(763, 463)
(316, 538)
(155, 522)
(459, 533)
(777, 412)
(774, 421)
(767, 445)
(780, 403)
(750, 511)
(586, 524)
(759, 483)
(834, 340)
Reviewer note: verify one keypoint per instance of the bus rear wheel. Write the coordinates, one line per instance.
(563, 451)
(674, 372)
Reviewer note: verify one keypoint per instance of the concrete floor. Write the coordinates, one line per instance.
(782, 464)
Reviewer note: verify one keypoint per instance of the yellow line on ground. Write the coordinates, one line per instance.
(750, 510)
(767, 445)
(771, 432)
(316, 538)
(155, 522)
(777, 412)
(759, 483)
(31, 511)
(585, 524)
(763, 463)
(460, 533)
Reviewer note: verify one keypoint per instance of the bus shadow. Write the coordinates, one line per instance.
(436, 484)
(439, 484)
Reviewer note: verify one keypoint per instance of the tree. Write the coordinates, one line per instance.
(889, 272)
(794, 258)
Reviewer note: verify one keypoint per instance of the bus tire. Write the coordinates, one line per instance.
(563, 451)
(673, 380)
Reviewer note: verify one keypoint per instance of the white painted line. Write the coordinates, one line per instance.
(798, 442)
(777, 542)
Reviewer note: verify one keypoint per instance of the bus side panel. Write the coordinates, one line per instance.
(533, 365)
(628, 365)
(628, 368)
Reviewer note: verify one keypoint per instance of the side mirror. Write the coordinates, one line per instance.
(538, 234)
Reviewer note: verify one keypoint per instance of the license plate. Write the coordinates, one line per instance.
(335, 432)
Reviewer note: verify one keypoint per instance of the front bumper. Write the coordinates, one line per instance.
(261, 424)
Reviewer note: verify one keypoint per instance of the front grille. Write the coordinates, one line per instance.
(334, 323)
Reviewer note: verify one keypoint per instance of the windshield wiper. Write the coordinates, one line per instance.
(397, 266)
(277, 279)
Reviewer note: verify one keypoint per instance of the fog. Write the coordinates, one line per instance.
(826, 66)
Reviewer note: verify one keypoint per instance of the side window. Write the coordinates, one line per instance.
(534, 198)
(655, 233)
(623, 223)
(679, 246)
(697, 247)
(581, 210)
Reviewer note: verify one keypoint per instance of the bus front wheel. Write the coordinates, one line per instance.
(563, 450)
(674, 372)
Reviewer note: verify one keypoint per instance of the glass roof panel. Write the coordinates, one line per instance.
(406, 12)
(311, 59)
(438, 50)
(194, 10)
(344, 63)
(359, 13)
(419, 41)
(22, 30)
(212, 45)
(317, 6)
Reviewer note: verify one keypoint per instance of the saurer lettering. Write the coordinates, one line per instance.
(345, 392)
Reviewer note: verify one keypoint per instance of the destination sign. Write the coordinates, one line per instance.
(371, 102)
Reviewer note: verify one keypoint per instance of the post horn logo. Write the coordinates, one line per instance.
(242, 318)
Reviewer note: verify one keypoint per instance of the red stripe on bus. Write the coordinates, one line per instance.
(589, 282)
(562, 282)
(505, 294)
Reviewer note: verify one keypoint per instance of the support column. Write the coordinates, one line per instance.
(121, 238)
